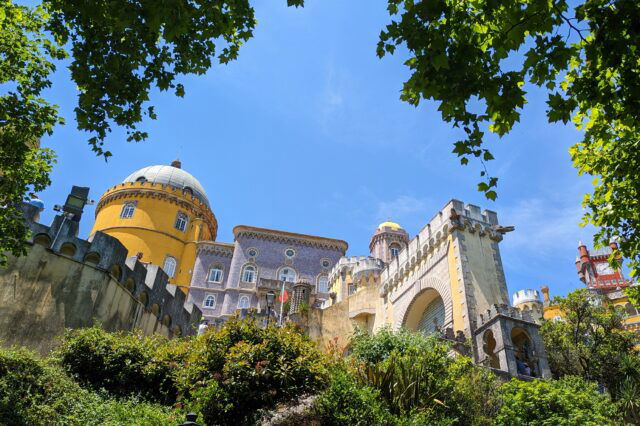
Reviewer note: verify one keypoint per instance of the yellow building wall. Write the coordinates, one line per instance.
(456, 297)
(151, 230)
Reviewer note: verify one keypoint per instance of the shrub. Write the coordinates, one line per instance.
(30, 390)
(419, 380)
(124, 364)
(233, 372)
(568, 401)
(348, 402)
(372, 349)
(35, 392)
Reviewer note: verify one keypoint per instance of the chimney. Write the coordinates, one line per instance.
(177, 164)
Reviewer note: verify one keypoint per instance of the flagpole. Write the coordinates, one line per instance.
(281, 302)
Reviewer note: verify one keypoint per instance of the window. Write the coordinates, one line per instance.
(323, 284)
(252, 252)
(215, 274)
(290, 253)
(287, 274)
(249, 274)
(395, 250)
(243, 302)
(326, 263)
(170, 266)
(141, 179)
(181, 222)
(209, 301)
(127, 210)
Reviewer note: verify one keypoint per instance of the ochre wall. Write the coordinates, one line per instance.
(151, 230)
(43, 293)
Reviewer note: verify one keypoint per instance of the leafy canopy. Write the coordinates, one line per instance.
(475, 58)
(590, 341)
(118, 51)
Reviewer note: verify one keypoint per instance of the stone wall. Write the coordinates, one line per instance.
(66, 282)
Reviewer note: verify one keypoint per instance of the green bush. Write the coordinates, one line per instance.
(231, 373)
(372, 349)
(124, 364)
(420, 382)
(348, 402)
(34, 392)
(568, 401)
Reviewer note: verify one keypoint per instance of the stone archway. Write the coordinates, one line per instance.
(426, 312)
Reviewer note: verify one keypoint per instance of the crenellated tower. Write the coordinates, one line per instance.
(388, 241)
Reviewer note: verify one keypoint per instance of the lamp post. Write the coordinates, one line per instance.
(271, 299)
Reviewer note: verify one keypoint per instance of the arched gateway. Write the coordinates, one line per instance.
(427, 312)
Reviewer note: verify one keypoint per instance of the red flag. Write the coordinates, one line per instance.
(284, 297)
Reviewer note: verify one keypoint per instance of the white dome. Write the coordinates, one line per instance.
(169, 175)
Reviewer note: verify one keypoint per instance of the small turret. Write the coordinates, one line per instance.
(388, 241)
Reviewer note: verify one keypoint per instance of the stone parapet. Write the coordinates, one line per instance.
(147, 283)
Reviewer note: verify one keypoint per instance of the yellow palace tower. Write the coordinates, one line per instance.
(159, 213)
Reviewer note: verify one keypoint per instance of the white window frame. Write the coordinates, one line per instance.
(254, 273)
(396, 249)
(166, 269)
(320, 277)
(128, 209)
(241, 298)
(220, 271)
(182, 220)
(206, 297)
(295, 274)
(293, 255)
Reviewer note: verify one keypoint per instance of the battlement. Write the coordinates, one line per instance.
(503, 310)
(526, 296)
(357, 264)
(147, 283)
(455, 215)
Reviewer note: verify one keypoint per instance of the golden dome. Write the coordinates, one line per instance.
(391, 225)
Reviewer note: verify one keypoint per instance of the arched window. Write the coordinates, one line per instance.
(323, 284)
(249, 274)
(243, 302)
(209, 301)
(631, 311)
(141, 179)
(169, 267)
(394, 250)
(287, 274)
(127, 210)
(181, 221)
(215, 274)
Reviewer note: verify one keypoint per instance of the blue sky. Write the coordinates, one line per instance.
(305, 132)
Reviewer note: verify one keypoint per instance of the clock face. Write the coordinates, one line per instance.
(603, 268)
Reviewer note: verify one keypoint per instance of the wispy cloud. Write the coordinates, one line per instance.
(332, 96)
(411, 212)
(543, 226)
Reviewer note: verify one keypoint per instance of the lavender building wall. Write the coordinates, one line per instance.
(268, 252)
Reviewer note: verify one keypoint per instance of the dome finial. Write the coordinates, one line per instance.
(177, 164)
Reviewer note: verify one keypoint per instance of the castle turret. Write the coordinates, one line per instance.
(529, 300)
(159, 213)
(388, 241)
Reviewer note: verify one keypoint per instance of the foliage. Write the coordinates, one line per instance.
(232, 372)
(25, 64)
(119, 52)
(420, 382)
(568, 401)
(347, 402)
(32, 390)
(123, 364)
(477, 60)
(590, 341)
(379, 347)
